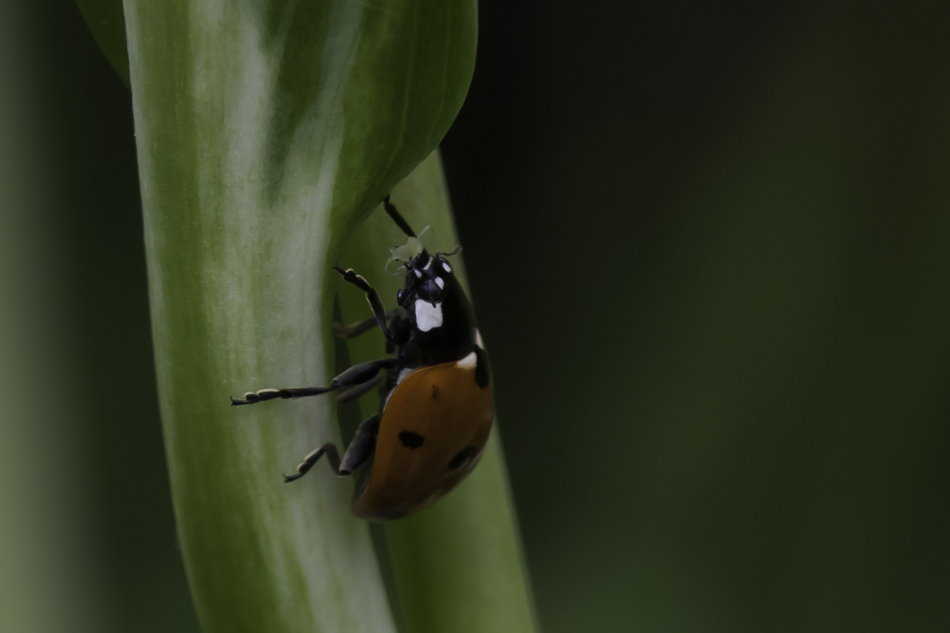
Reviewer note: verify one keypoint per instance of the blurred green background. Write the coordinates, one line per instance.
(708, 245)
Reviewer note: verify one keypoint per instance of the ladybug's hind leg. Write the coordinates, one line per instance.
(360, 448)
(362, 445)
(333, 456)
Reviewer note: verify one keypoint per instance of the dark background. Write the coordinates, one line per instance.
(708, 245)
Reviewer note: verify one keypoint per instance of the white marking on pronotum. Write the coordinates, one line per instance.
(403, 374)
(418, 274)
(427, 315)
(478, 339)
(439, 282)
(469, 362)
(446, 266)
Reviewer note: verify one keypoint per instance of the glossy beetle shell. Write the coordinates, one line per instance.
(445, 407)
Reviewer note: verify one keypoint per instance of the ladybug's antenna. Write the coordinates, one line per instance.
(397, 217)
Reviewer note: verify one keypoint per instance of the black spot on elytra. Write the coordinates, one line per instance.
(464, 456)
(435, 392)
(410, 439)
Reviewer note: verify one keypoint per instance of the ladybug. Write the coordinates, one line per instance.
(436, 400)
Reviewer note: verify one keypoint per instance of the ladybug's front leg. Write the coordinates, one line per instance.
(397, 217)
(375, 304)
(355, 329)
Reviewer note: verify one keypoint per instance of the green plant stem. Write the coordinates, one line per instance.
(254, 127)
(458, 565)
(263, 136)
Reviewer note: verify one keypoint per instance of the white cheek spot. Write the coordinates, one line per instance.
(427, 315)
(478, 339)
(446, 266)
(469, 362)
(439, 282)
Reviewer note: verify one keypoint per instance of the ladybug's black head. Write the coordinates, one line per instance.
(428, 278)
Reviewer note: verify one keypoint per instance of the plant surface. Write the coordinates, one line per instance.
(266, 133)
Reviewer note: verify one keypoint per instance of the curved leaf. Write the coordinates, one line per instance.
(265, 132)
(107, 25)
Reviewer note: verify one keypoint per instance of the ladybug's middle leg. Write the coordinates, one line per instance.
(352, 394)
(355, 375)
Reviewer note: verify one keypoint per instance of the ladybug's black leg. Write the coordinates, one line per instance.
(332, 456)
(352, 394)
(361, 447)
(355, 329)
(371, 295)
(397, 218)
(355, 375)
